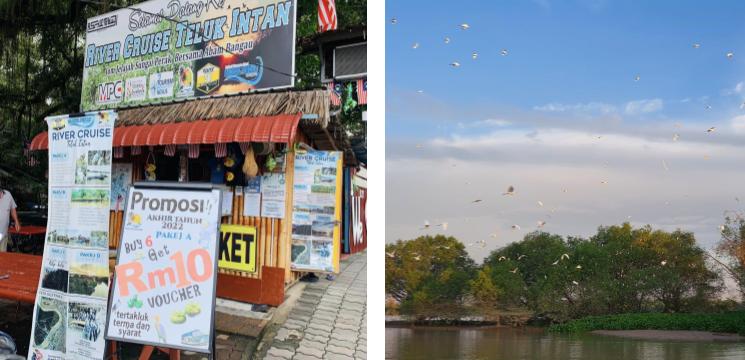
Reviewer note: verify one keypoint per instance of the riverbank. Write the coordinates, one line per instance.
(671, 335)
(728, 322)
(506, 319)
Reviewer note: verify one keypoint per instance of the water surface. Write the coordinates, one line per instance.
(535, 343)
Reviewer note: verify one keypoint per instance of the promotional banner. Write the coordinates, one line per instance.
(238, 248)
(70, 308)
(165, 50)
(164, 283)
(316, 211)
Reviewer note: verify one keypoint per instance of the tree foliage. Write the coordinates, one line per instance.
(620, 269)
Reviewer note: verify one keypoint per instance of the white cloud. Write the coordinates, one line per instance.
(644, 106)
(591, 107)
(738, 124)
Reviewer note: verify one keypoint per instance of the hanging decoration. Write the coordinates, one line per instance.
(193, 151)
(221, 150)
(250, 167)
(136, 150)
(170, 150)
(150, 167)
(244, 146)
(118, 152)
(349, 103)
(335, 93)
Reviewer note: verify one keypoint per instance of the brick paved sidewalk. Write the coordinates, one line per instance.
(329, 320)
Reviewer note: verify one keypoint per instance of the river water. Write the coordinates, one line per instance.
(535, 343)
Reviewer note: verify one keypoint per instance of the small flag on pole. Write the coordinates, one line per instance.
(221, 150)
(362, 91)
(335, 93)
(193, 151)
(326, 15)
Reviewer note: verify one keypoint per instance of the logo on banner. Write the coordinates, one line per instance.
(185, 81)
(208, 78)
(245, 72)
(102, 23)
(135, 89)
(110, 92)
(161, 85)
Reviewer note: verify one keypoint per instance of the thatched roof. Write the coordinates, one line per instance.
(251, 105)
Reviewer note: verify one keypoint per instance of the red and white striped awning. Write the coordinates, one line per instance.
(277, 129)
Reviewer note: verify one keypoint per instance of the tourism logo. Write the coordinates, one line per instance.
(135, 89)
(101, 23)
(134, 222)
(161, 85)
(110, 92)
(208, 78)
(246, 72)
(58, 124)
(185, 85)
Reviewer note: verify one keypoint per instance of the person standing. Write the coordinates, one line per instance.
(7, 209)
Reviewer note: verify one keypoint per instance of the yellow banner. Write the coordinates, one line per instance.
(237, 248)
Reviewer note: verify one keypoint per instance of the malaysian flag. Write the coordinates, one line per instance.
(221, 150)
(335, 93)
(170, 150)
(193, 151)
(362, 92)
(326, 15)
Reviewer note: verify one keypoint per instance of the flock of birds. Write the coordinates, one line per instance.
(510, 191)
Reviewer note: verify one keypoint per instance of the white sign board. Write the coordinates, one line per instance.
(273, 195)
(164, 283)
(70, 307)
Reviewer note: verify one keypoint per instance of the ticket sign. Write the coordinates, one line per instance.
(165, 275)
(238, 248)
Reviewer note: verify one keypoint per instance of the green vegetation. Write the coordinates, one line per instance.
(618, 270)
(728, 322)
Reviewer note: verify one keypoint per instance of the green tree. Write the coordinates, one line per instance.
(427, 272)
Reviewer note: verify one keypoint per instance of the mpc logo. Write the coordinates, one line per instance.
(101, 23)
(110, 92)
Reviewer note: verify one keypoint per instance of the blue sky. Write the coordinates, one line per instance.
(562, 118)
(565, 52)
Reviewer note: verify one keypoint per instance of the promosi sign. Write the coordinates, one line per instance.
(164, 281)
(110, 92)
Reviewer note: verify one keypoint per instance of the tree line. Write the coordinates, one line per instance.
(620, 269)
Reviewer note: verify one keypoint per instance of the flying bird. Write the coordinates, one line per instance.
(541, 223)
(663, 262)
(476, 201)
(447, 40)
(637, 78)
(444, 226)
(465, 26)
(711, 129)
(676, 137)
(455, 64)
(540, 203)
(510, 191)
(394, 21)
(391, 254)
(426, 225)
(555, 262)
(514, 271)
(503, 52)
(515, 227)
(579, 267)
(521, 257)
(415, 46)
(604, 182)
(707, 107)
(730, 55)
(564, 255)
(502, 258)
(474, 55)
(696, 45)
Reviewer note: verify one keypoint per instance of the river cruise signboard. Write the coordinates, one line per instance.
(170, 50)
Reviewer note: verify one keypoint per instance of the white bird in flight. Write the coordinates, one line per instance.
(676, 137)
(394, 21)
(455, 64)
(503, 52)
(514, 271)
(510, 191)
(541, 223)
(711, 129)
(447, 40)
(465, 26)
(415, 45)
(474, 55)
(696, 45)
(730, 55)
(515, 227)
